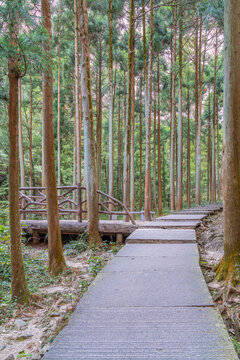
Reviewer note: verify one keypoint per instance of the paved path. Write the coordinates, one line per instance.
(149, 302)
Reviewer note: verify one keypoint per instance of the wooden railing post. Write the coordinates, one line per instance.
(79, 202)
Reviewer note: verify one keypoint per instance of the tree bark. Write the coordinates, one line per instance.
(78, 112)
(127, 149)
(180, 130)
(21, 151)
(188, 154)
(154, 157)
(99, 119)
(59, 95)
(110, 104)
(209, 149)
(147, 209)
(173, 115)
(30, 133)
(132, 170)
(229, 267)
(90, 168)
(18, 281)
(197, 134)
(119, 177)
(159, 143)
(218, 154)
(55, 250)
(213, 193)
(140, 146)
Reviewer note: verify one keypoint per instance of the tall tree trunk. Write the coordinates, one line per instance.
(173, 115)
(199, 123)
(209, 148)
(154, 157)
(140, 147)
(132, 170)
(59, 95)
(78, 112)
(218, 154)
(18, 281)
(21, 152)
(110, 104)
(229, 267)
(197, 134)
(159, 143)
(55, 250)
(180, 130)
(90, 169)
(147, 209)
(99, 119)
(30, 134)
(213, 194)
(188, 155)
(163, 175)
(119, 177)
(127, 149)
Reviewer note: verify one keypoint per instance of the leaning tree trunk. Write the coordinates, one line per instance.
(90, 168)
(229, 267)
(55, 250)
(18, 281)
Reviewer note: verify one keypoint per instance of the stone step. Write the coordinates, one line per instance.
(171, 224)
(161, 236)
(182, 217)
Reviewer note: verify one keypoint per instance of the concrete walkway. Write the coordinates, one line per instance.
(150, 302)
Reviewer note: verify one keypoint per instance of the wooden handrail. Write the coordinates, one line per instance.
(40, 200)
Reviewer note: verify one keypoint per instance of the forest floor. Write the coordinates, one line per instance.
(227, 300)
(27, 332)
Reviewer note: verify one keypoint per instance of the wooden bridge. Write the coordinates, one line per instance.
(72, 206)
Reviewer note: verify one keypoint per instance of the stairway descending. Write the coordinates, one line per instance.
(150, 302)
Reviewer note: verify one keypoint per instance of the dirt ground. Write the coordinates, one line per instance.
(28, 331)
(227, 299)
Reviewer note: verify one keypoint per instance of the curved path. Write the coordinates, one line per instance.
(150, 302)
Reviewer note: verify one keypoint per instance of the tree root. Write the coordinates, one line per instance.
(229, 270)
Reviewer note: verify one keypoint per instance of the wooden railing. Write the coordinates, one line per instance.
(71, 202)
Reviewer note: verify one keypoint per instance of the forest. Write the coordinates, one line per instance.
(133, 100)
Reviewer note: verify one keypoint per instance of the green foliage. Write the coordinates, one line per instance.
(96, 263)
(114, 248)
(77, 246)
(236, 345)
